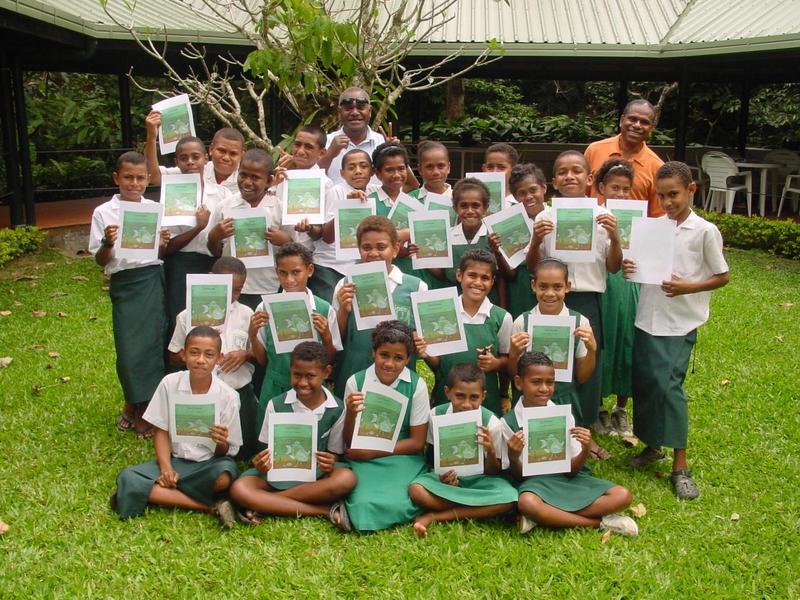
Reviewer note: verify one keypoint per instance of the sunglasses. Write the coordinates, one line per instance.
(353, 102)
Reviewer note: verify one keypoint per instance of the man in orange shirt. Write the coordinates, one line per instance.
(635, 126)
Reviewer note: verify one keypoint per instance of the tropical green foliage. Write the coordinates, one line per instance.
(781, 238)
(19, 241)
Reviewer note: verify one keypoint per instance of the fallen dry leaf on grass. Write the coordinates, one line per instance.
(39, 313)
(639, 510)
(79, 278)
(58, 294)
(26, 278)
(5, 361)
(630, 440)
(5, 313)
(93, 318)
(787, 304)
(37, 390)
(725, 382)
(105, 288)
(735, 517)
(17, 303)
(3, 527)
(62, 314)
(779, 338)
(53, 354)
(65, 379)
(606, 536)
(37, 346)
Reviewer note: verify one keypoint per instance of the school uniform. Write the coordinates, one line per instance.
(357, 352)
(489, 326)
(666, 330)
(368, 145)
(460, 245)
(619, 313)
(383, 206)
(566, 492)
(565, 391)
(138, 311)
(473, 490)
(330, 426)
(421, 193)
(520, 297)
(229, 184)
(196, 464)
(588, 281)
(380, 499)
(277, 378)
(234, 338)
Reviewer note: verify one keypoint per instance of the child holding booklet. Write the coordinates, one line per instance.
(377, 241)
(501, 158)
(574, 499)
(487, 327)
(137, 291)
(295, 268)
(185, 474)
(550, 283)
(449, 497)
(571, 179)
(309, 367)
(235, 365)
(667, 319)
(380, 499)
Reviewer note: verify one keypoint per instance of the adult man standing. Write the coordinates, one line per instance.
(635, 125)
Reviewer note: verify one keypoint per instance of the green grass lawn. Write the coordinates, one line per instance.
(61, 454)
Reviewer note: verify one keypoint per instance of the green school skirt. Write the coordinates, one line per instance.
(285, 485)
(519, 293)
(619, 315)
(569, 494)
(139, 321)
(660, 405)
(196, 481)
(588, 304)
(248, 411)
(476, 490)
(323, 282)
(380, 498)
(176, 267)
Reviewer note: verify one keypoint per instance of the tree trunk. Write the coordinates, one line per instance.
(455, 99)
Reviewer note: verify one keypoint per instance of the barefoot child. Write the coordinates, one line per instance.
(137, 297)
(187, 475)
(487, 327)
(380, 499)
(309, 367)
(235, 366)
(449, 497)
(574, 499)
(667, 319)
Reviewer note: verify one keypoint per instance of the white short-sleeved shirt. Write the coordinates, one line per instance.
(423, 192)
(457, 237)
(325, 253)
(395, 279)
(108, 214)
(420, 401)
(503, 335)
(519, 327)
(175, 385)
(230, 184)
(589, 276)
(495, 427)
(333, 325)
(234, 338)
(372, 141)
(335, 433)
(574, 445)
(260, 280)
(386, 200)
(697, 256)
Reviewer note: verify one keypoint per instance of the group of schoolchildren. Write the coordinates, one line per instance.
(627, 342)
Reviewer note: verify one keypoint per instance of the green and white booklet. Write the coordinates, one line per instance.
(373, 301)
(455, 443)
(181, 196)
(176, 122)
(555, 336)
(139, 230)
(514, 228)
(430, 232)
(303, 196)
(573, 238)
(496, 182)
(626, 211)
(293, 441)
(438, 319)
(249, 240)
(208, 300)
(191, 418)
(435, 201)
(547, 440)
(377, 427)
(290, 321)
(349, 214)
(401, 208)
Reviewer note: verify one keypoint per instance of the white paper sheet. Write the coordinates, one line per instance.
(496, 182)
(625, 211)
(555, 449)
(551, 340)
(301, 464)
(377, 427)
(287, 329)
(435, 201)
(189, 419)
(652, 249)
(345, 242)
(176, 122)
(451, 444)
(438, 321)
(181, 186)
(577, 240)
(404, 204)
(203, 305)
(307, 189)
(371, 305)
(433, 242)
(262, 255)
(139, 230)
(519, 243)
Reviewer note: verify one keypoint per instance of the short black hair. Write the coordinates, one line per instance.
(260, 157)
(507, 149)
(190, 139)
(550, 262)
(466, 372)
(293, 249)
(387, 150)
(469, 184)
(229, 133)
(481, 255)
(567, 153)
(393, 332)
(353, 152)
(520, 172)
(677, 169)
(131, 157)
(532, 359)
(310, 352)
(229, 264)
(204, 331)
(316, 131)
(427, 146)
(618, 167)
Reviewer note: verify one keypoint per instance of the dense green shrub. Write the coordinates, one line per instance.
(19, 241)
(76, 172)
(781, 238)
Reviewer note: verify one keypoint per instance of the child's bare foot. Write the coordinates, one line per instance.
(422, 523)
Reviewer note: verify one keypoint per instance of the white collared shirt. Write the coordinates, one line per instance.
(479, 318)
(333, 325)
(519, 327)
(424, 191)
(372, 141)
(234, 338)
(495, 427)
(697, 256)
(334, 434)
(108, 214)
(574, 445)
(388, 202)
(175, 385)
(420, 400)
(230, 185)
(458, 238)
(589, 276)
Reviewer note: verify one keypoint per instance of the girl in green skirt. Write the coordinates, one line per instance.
(573, 499)
(449, 497)
(380, 498)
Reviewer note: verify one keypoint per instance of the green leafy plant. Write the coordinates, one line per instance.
(19, 241)
(781, 238)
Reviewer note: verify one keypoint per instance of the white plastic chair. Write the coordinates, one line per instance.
(789, 172)
(720, 167)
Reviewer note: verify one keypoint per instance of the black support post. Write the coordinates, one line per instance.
(744, 117)
(126, 125)
(622, 97)
(24, 144)
(11, 150)
(683, 117)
